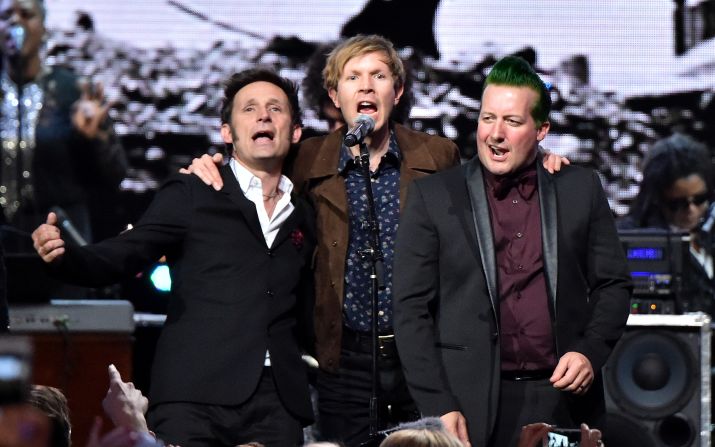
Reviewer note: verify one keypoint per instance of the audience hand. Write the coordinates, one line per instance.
(206, 168)
(532, 433)
(89, 112)
(456, 424)
(47, 240)
(119, 437)
(124, 404)
(573, 373)
(590, 437)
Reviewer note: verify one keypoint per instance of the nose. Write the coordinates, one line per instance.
(497, 131)
(263, 114)
(366, 84)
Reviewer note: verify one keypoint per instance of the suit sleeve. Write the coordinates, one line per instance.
(159, 232)
(416, 292)
(609, 281)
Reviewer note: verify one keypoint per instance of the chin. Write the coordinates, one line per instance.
(498, 169)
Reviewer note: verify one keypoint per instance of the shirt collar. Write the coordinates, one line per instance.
(524, 180)
(246, 179)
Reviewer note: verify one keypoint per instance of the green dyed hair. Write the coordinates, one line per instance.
(516, 72)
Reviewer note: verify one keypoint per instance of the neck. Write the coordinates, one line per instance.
(379, 141)
(269, 173)
(22, 70)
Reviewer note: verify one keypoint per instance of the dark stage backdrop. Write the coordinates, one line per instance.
(624, 72)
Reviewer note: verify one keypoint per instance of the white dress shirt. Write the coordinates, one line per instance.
(252, 188)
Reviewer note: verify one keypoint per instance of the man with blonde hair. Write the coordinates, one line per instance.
(363, 76)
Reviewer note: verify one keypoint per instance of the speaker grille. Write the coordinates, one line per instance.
(653, 374)
(657, 383)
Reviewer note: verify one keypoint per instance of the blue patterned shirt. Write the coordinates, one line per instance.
(386, 191)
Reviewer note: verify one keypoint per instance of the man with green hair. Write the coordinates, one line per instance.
(510, 285)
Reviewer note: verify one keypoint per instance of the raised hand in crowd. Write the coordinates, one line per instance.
(90, 111)
(124, 404)
(117, 437)
(534, 435)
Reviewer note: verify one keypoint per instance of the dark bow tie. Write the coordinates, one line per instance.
(524, 182)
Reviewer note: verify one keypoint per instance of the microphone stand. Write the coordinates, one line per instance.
(377, 281)
(705, 239)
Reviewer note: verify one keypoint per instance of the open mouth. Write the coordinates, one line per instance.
(263, 135)
(497, 151)
(366, 107)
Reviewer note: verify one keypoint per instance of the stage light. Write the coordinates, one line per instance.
(161, 278)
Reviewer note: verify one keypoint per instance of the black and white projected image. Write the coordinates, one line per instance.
(623, 73)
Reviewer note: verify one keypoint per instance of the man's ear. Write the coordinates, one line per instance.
(226, 133)
(333, 93)
(543, 130)
(297, 132)
(398, 93)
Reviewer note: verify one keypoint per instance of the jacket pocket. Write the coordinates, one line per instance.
(451, 346)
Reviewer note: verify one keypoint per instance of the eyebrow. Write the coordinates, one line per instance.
(270, 101)
(377, 70)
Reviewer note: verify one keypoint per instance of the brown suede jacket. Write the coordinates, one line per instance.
(315, 174)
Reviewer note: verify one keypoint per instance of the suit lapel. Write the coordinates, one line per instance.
(482, 223)
(293, 221)
(233, 190)
(549, 228)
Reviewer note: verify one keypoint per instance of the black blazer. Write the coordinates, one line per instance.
(233, 297)
(446, 304)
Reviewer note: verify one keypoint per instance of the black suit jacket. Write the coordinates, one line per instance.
(233, 297)
(446, 302)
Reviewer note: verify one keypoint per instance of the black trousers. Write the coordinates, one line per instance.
(526, 402)
(344, 397)
(262, 418)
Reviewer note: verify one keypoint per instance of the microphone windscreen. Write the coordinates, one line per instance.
(367, 121)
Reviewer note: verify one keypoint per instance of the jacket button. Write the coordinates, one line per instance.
(270, 253)
(495, 336)
(334, 244)
(269, 293)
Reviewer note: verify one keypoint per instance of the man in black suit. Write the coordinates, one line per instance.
(227, 368)
(511, 287)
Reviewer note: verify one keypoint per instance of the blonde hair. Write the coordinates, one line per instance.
(420, 437)
(358, 46)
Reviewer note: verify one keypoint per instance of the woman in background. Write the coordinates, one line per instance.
(675, 195)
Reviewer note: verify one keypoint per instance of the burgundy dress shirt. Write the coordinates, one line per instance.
(527, 341)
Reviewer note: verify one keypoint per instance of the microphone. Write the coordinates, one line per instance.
(709, 221)
(361, 128)
(65, 223)
(17, 37)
